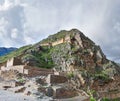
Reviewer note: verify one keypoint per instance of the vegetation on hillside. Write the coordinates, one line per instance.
(16, 53)
(55, 37)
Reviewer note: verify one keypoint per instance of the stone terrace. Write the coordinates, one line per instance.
(54, 80)
(16, 65)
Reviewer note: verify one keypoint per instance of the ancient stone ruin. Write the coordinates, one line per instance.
(60, 41)
(15, 64)
(20, 78)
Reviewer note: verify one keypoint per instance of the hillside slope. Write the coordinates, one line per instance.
(65, 50)
(78, 57)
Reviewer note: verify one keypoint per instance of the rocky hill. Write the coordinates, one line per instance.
(4, 51)
(73, 53)
(65, 51)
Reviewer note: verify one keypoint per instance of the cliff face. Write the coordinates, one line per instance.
(72, 50)
(79, 52)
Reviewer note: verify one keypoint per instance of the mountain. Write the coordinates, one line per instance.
(65, 50)
(4, 51)
(73, 53)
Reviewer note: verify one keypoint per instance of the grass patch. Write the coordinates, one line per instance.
(16, 53)
(107, 99)
(70, 75)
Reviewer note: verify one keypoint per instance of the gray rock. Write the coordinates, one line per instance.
(49, 92)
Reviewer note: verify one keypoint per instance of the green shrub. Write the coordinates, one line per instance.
(70, 75)
(105, 99)
(21, 80)
(92, 99)
(102, 76)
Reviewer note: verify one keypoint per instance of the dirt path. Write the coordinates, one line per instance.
(9, 96)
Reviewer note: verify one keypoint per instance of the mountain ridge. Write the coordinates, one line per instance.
(4, 50)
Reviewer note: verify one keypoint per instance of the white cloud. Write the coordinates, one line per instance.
(7, 5)
(11, 24)
(117, 27)
(28, 40)
(3, 24)
(28, 21)
(14, 33)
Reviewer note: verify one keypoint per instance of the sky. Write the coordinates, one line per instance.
(25, 22)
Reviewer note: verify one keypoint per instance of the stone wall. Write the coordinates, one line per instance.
(8, 84)
(67, 39)
(37, 71)
(13, 62)
(3, 68)
(10, 62)
(58, 42)
(45, 44)
(28, 70)
(17, 61)
(54, 79)
(63, 93)
(19, 68)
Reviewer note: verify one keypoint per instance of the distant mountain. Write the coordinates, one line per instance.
(4, 51)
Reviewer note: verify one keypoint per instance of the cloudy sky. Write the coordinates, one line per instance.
(28, 21)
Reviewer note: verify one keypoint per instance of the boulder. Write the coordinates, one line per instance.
(49, 92)
(62, 92)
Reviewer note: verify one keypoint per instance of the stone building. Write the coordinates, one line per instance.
(60, 41)
(16, 65)
(13, 62)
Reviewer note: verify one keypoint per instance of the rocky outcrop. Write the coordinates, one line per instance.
(79, 53)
